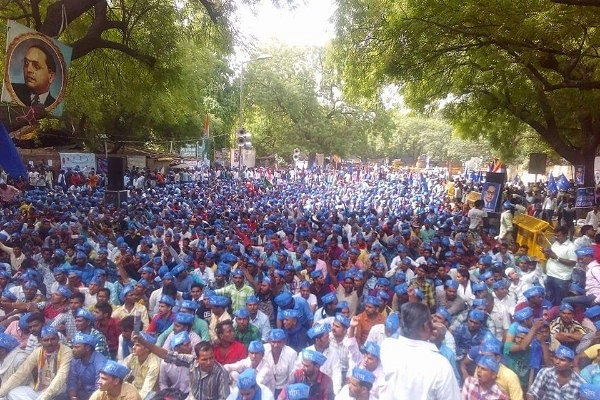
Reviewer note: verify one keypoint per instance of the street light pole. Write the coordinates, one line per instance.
(241, 116)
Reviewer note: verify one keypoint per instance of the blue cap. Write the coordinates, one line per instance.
(8, 342)
(7, 294)
(290, 313)
(486, 275)
(522, 329)
(533, 292)
(477, 315)
(166, 299)
(147, 270)
(242, 313)
(48, 330)
(401, 289)
(588, 391)
(64, 291)
(489, 362)
(479, 303)
(371, 348)
(237, 272)
(277, 334)
(283, 299)
(314, 356)
(419, 293)
(126, 290)
(256, 346)
(219, 301)
(564, 352)
(84, 338)
(148, 337)
(115, 369)
(86, 314)
(252, 300)
(479, 287)
(372, 300)
(316, 273)
(318, 330)
(592, 312)
(383, 282)
(189, 304)
(342, 319)
(392, 322)
(442, 311)
(144, 284)
(451, 284)
(523, 314)
(491, 345)
(247, 379)
(297, 391)
(329, 298)
(566, 307)
(585, 251)
(184, 318)
(501, 284)
(363, 375)
(179, 339)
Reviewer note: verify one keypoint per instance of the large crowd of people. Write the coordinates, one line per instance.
(356, 283)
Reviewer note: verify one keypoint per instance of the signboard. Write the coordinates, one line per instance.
(585, 197)
(85, 161)
(188, 150)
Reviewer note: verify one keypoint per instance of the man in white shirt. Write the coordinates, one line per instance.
(476, 216)
(559, 267)
(422, 373)
(593, 218)
(282, 357)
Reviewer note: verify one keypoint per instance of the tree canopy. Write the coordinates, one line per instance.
(497, 70)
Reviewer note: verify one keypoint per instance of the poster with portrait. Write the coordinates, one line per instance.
(585, 197)
(579, 175)
(490, 195)
(36, 69)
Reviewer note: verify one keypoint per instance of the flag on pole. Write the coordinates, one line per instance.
(552, 184)
(10, 160)
(563, 183)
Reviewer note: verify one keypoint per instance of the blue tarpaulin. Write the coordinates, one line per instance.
(10, 160)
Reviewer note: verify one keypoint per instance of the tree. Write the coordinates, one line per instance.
(497, 70)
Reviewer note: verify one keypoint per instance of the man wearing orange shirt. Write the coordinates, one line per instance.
(368, 318)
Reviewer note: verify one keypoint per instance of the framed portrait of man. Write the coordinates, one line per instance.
(36, 70)
(490, 195)
(579, 175)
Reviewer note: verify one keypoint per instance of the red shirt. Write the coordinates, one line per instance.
(51, 312)
(111, 330)
(234, 353)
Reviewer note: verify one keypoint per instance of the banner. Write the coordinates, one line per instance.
(579, 175)
(36, 69)
(85, 161)
(585, 197)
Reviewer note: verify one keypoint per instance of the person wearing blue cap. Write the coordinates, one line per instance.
(359, 386)
(258, 318)
(11, 355)
(536, 301)
(85, 368)
(219, 313)
(558, 381)
(368, 318)
(585, 257)
(238, 290)
(131, 306)
(49, 364)
(319, 334)
(185, 319)
(84, 323)
(295, 391)
(471, 332)
(256, 360)
(165, 316)
(447, 296)
(244, 331)
(306, 294)
(248, 387)
(285, 301)
(565, 328)
(422, 283)
(281, 356)
(112, 385)
(484, 385)
(310, 374)
(326, 313)
(144, 366)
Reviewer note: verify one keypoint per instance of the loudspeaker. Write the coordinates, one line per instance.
(115, 171)
(537, 163)
(115, 197)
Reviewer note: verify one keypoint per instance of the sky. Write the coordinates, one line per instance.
(307, 25)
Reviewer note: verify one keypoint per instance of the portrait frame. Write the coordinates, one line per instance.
(494, 201)
(14, 62)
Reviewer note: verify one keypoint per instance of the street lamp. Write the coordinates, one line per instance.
(241, 130)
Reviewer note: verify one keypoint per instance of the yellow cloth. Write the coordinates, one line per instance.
(30, 365)
(128, 392)
(121, 312)
(145, 376)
